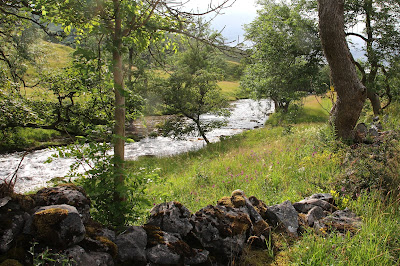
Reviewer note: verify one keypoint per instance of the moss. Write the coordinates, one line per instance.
(45, 220)
(238, 201)
(241, 223)
(261, 228)
(182, 248)
(238, 192)
(178, 204)
(225, 201)
(154, 235)
(111, 247)
(26, 202)
(10, 262)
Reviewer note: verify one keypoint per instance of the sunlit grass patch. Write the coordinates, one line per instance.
(229, 89)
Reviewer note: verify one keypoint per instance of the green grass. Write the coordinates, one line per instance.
(276, 164)
(229, 89)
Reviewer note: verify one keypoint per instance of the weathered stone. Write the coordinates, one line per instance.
(100, 244)
(171, 217)
(314, 214)
(11, 226)
(361, 132)
(132, 244)
(65, 194)
(161, 254)
(373, 131)
(286, 215)
(260, 206)
(101, 258)
(225, 201)
(221, 230)
(342, 221)
(200, 257)
(4, 201)
(304, 206)
(79, 257)
(322, 196)
(59, 225)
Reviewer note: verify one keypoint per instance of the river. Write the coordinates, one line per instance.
(34, 173)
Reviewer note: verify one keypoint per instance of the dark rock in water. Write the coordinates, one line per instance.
(79, 257)
(58, 225)
(131, 245)
(314, 214)
(286, 215)
(65, 194)
(322, 196)
(171, 217)
(304, 206)
(341, 221)
(222, 230)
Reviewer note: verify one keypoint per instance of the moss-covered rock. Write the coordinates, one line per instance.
(58, 225)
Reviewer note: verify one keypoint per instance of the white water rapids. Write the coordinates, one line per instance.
(34, 173)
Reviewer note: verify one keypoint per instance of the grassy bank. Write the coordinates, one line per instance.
(289, 162)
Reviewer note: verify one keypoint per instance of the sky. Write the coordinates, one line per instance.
(231, 19)
(243, 12)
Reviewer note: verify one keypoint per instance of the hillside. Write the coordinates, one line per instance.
(291, 162)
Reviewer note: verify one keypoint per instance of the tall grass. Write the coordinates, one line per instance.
(284, 163)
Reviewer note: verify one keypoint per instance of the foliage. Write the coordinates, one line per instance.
(99, 181)
(375, 244)
(47, 257)
(286, 55)
(371, 167)
(191, 90)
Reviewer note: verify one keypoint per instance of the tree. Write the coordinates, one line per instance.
(381, 37)
(286, 54)
(192, 90)
(351, 93)
(121, 23)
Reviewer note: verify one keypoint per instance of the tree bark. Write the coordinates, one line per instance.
(119, 128)
(351, 93)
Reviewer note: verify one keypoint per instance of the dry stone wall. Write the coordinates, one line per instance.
(58, 219)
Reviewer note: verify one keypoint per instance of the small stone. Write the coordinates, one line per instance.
(314, 214)
(161, 254)
(322, 196)
(342, 221)
(304, 206)
(286, 215)
(65, 194)
(238, 192)
(171, 217)
(200, 257)
(238, 201)
(132, 244)
(225, 201)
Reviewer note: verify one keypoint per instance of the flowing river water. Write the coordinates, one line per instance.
(34, 173)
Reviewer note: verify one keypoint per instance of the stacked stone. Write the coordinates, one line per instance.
(58, 218)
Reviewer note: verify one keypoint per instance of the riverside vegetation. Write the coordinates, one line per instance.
(289, 162)
(291, 158)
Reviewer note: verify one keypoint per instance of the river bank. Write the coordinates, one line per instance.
(34, 172)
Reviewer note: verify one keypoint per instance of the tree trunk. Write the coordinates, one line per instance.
(119, 128)
(351, 93)
(375, 101)
(201, 131)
